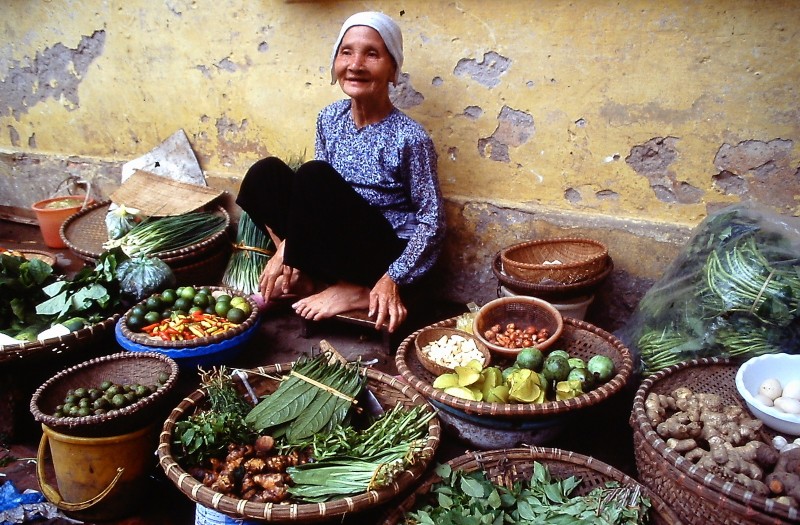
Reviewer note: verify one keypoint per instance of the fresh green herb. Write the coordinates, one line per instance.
(168, 233)
(471, 498)
(252, 251)
(21, 283)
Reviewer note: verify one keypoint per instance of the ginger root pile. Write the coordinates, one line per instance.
(726, 441)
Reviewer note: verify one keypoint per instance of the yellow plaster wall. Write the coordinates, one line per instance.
(597, 79)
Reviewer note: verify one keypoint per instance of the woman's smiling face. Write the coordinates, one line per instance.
(363, 66)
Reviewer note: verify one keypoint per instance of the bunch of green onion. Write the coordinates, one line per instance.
(163, 234)
(251, 253)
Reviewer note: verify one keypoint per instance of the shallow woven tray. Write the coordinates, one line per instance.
(85, 232)
(580, 259)
(516, 464)
(550, 291)
(579, 339)
(121, 368)
(388, 390)
(145, 340)
(55, 346)
(46, 257)
(696, 495)
(522, 311)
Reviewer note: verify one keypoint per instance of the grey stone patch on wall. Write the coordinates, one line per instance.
(437, 81)
(403, 95)
(232, 141)
(652, 160)
(607, 195)
(759, 171)
(55, 73)
(514, 128)
(13, 136)
(473, 112)
(573, 196)
(487, 72)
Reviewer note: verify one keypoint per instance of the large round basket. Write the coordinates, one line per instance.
(561, 261)
(122, 368)
(550, 291)
(389, 392)
(696, 495)
(512, 465)
(578, 338)
(85, 233)
(141, 338)
(54, 347)
(523, 312)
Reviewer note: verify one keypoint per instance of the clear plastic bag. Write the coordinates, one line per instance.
(142, 276)
(120, 219)
(733, 292)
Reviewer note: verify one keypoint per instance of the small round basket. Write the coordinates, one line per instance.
(524, 312)
(122, 368)
(143, 339)
(561, 261)
(694, 493)
(430, 335)
(508, 466)
(578, 338)
(388, 390)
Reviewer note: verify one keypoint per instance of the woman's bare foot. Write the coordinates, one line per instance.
(333, 300)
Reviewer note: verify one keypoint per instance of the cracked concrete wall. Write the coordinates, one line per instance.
(596, 118)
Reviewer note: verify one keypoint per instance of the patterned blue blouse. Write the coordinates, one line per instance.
(392, 164)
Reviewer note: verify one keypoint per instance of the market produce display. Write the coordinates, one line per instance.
(251, 252)
(733, 292)
(163, 234)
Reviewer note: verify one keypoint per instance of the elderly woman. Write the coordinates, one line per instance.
(364, 219)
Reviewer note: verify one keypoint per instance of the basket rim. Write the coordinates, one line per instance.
(510, 352)
(698, 476)
(576, 287)
(148, 341)
(71, 340)
(514, 410)
(472, 461)
(168, 256)
(436, 368)
(504, 253)
(301, 512)
(48, 258)
(86, 421)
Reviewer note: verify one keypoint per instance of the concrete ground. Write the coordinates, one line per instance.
(601, 431)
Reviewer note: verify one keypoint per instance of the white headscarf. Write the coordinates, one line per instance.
(385, 26)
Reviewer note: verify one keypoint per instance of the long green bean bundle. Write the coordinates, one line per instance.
(250, 255)
(163, 234)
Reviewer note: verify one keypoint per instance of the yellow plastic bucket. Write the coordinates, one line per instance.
(98, 478)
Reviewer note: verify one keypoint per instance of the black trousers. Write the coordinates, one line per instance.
(331, 232)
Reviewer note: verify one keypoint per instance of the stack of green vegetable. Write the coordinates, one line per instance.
(161, 234)
(733, 292)
(250, 255)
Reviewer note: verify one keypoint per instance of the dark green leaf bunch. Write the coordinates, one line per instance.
(21, 283)
(470, 498)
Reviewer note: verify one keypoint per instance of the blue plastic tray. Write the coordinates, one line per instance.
(208, 355)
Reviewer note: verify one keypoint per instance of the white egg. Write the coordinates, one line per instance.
(788, 405)
(792, 389)
(764, 400)
(771, 388)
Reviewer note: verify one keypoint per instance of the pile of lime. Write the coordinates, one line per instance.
(533, 378)
(105, 397)
(186, 300)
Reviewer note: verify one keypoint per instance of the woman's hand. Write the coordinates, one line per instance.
(386, 305)
(273, 271)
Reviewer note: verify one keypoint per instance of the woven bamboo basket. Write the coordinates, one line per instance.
(512, 465)
(561, 261)
(523, 312)
(85, 232)
(60, 345)
(549, 291)
(122, 368)
(579, 339)
(389, 392)
(142, 338)
(429, 335)
(696, 495)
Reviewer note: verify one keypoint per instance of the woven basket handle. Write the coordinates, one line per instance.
(52, 494)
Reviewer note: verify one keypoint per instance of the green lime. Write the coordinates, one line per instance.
(139, 309)
(168, 296)
(135, 322)
(241, 303)
(224, 298)
(562, 353)
(221, 308)
(235, 315)
(151, 318)
(182, 304)
(601, 367)
(201, 300)
(188, 292)
(530, 358)
(194, 309)
(555, 368)
(154, 303)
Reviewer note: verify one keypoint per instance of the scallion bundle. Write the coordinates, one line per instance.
(251, 253)
(163, 234)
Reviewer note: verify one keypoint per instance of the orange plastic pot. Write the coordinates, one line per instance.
(51, 214)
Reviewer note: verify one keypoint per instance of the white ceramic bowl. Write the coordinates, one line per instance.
(753, 372)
